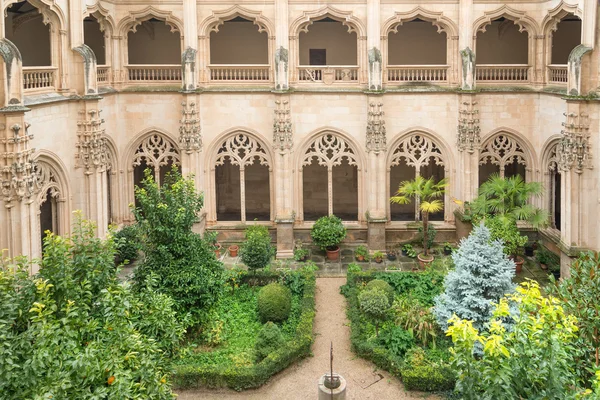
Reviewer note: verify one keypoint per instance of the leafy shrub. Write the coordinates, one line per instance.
(374, 304)
(274, 302)
(74, 332)
(395, 339)
(361, 251)
(482, 275)
(431, 234)
(256, 251)
(532, 360)
(416, 319)
(505, 230)
(383, 286)
(421, 373)
(269, 339)
(328, 232)
(182, 260)
(127, 243)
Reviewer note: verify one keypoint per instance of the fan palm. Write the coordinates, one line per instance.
(509, 198)
(428, 192)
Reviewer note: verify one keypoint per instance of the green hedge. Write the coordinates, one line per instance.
(421, 377)
(240, 378)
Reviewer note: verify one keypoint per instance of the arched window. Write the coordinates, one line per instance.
(503, 155)
(413, 156)
(53, 216)
(154, 42)
(553, 186)
(157, 153)
(565, 38)
(242, 180)
(94, 38)
(330, 179)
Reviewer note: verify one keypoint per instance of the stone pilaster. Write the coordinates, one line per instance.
(190, 139)
(190, 45)
(281, 45)
(283, 141)
(465, 44)
(374, 58)
(468, 144)
(376, 147)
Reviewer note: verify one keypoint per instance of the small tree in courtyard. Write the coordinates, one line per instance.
(482, 275)
(374, 303)
(257, 250)
(184, 263)
(428, 193)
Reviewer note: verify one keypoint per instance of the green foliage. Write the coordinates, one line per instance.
(532, 360)
(510, 198)
(505, 230)
(421, 372)
(383, 286)
(127, 243)
(328, 232)
(408, 249)
(418, 320)
(269, 339)
(274, 302)
(374, 304)
(256, 252)
(579, 294)
(300, 254)
(74, 332)
(378, 255)
(545, 256)
(431, 234)
(183, 262)
(395, 339)
(361, 251)
(428, 192)
(233, 364)
(482, 275)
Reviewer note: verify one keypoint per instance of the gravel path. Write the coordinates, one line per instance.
(299, 381)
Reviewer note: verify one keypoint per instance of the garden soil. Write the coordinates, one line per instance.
(299, 381)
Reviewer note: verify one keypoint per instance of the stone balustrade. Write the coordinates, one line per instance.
(328, 74)
(245, 73)
(154, 73)
(35, 78)
(557, 74)
(502, 73)
(103, 74)
(417, 73)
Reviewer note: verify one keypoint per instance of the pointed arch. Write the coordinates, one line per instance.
(505, 147)
(520, 18)
(134, 19)
(347, 19)
(551, 20)
(437, 19)
(218, 18)
(103, 16)
(241, 152)
(552, 182)
(51, 12)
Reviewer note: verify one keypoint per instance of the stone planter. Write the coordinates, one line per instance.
(424, 260)
(463, 228)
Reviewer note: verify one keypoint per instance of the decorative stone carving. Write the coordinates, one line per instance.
(18, 173)
(553, 158)
(47, 182)
(574, 149)
(375, 81)
(241, 150)
(21, 19)
(376, 135)
(91, 142)
(281, 68)
(417, 151)
(501, 151)
(190, 137)
(468, 69)
(468, 127)
(156, 151)
(329, 151)
(188, 61)
(282, 126)
(14, 75)
(574, 70)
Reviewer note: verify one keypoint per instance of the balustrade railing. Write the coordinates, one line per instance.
(154, 73)
(417, 73)
(35, 78)
(557, 73)
(502, 73)
(328, 74)
(103, 74)
(240, 73)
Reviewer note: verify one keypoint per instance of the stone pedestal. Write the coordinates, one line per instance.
(376, 234)
(338, 393)
(285, 238)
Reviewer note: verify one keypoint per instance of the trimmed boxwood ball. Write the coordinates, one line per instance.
(274, 302)
(384, 287)
(269, 340)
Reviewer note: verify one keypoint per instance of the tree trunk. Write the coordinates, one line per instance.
(425, 232)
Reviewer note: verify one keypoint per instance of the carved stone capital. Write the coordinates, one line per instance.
(91, 141)
(376, 134)
(190, 135)
(282, 126)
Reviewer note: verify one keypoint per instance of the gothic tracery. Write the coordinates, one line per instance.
(329, 151)
(417, 151)
(502, 151)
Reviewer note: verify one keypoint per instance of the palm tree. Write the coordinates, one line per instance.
(428, 192)
(509, 198)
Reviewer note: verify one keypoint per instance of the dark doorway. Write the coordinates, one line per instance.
(557, 200)
(317, 56)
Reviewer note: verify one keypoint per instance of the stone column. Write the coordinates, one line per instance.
(468, 142)
(374, 45)
(190, 44)
(92, 160)
(282, 145)
(465, 44)
(376, 147)
(282, 43)
(190, 138)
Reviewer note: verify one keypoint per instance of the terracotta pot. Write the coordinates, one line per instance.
(360, 258)
(424, 260)
(378, 260)
(518, 264)
(334, 254)
(218, 250)
(543, 266)
(233, 250)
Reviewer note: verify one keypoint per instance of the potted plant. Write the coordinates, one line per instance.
(407, 250)
(361, 253)
(428, 192)
(504, 228)
(327, 233)
(378, 256)
(211, 238)
(391, 254)
(447, 249)
(529, 249)
(233, 250)
(393, 268)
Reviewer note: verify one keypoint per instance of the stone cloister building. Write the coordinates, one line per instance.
(287, 110)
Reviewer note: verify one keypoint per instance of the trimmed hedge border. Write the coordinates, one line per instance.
(240, 378)
(422, 377)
